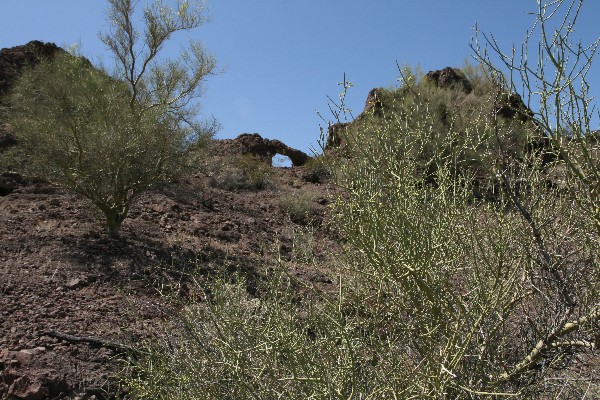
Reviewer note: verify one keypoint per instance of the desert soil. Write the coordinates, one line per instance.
(69, 295)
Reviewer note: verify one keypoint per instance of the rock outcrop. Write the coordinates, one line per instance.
(511, 105)
(335, 135)
(450, 78)
(9, 181)
(6, 138)
(373, 105)
(263, 149)
(514, 107)
(14, 59)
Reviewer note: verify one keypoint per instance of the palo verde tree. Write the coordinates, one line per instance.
(110, 134)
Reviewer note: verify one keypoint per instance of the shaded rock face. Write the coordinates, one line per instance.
(6, 138)
(9, 182)
(374, 103)
(14, 59)
(450, 78)
(514, 107)
(264, 149)
(335, 135)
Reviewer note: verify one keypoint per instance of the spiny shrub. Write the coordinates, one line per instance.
(300, 207)
(459, 130)
(316, 170)
(241, 172)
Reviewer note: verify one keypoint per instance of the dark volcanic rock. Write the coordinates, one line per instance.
(514, 107)
(449, 77)
(6, 139)
(512, 104)
(374, 103)
(25, 381)
(9, 182)
(335, 134)
(14, 59)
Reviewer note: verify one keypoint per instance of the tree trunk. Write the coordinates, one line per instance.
(114, 219)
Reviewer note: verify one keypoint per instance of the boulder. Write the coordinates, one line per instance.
(513, 106)
(9, 182)
(6, 138)
(449, 78)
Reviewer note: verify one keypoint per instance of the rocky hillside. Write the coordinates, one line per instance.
(72, 301)
(67, 292)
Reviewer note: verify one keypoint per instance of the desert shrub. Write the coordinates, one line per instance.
(300, 207)
(241, 172)
(110, 135)
(238, 347)
(438, 296)
(303, 243)
(316, 170)
(457, 134)
(498, 291)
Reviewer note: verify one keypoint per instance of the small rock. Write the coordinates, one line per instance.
(26, 388)
(74, 283)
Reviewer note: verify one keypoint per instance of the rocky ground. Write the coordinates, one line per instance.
(72, 300)
(75, 304)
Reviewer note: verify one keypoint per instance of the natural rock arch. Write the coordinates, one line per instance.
(264, 149)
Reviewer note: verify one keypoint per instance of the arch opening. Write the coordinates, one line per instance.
(281, 161)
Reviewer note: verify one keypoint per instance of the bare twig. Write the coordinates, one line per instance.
(552, 341)
(95, 342)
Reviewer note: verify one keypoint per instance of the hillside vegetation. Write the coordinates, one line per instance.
(445, 245)
(470, 228)
(469, 269)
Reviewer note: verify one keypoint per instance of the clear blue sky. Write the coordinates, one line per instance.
(282, 58)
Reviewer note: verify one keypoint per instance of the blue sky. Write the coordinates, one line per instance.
(281, 59)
